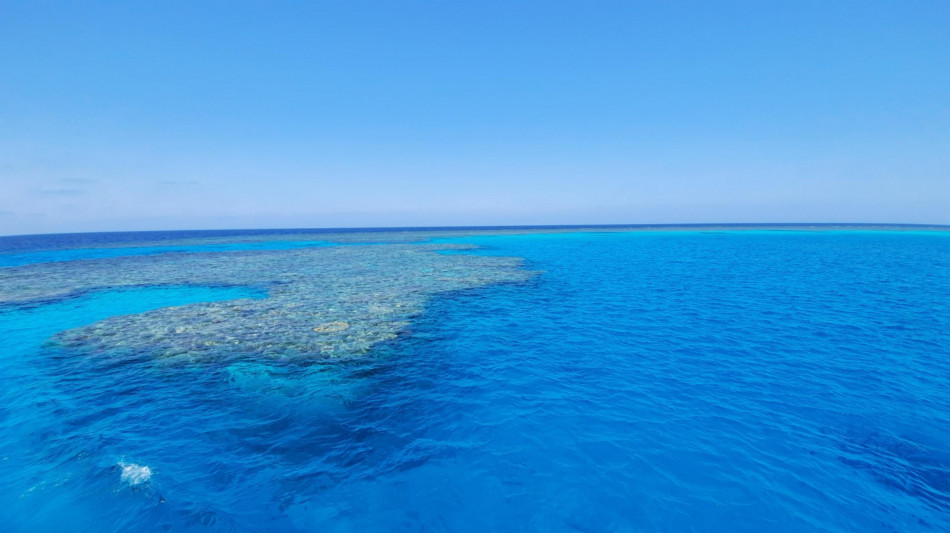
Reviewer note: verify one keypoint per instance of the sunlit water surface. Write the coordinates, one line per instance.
(643, 381)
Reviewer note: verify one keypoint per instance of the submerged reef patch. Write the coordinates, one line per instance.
(336, 301)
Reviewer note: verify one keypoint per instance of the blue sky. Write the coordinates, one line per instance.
(179, 115)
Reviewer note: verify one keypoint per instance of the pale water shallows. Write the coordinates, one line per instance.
(702, 379)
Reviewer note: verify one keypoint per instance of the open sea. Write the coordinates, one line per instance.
(672, 379)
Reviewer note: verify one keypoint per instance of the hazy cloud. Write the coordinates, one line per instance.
(61, 192)
(78, 181)
(178, 182)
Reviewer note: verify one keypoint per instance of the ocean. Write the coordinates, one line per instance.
(696, 378)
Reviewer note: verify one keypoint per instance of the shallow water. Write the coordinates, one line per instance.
(74, 254)
(643, 381)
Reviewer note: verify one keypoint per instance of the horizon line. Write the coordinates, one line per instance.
(497, 227)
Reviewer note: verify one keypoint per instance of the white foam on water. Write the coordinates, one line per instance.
(134, 474)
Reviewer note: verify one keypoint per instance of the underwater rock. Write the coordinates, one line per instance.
(332, 327)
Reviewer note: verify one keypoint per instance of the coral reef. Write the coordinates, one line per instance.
(336, 301)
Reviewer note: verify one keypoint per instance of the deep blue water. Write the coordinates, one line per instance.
(645, 381)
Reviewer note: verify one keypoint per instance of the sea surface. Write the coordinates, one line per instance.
(524, 379)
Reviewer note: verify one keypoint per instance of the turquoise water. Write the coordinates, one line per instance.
(641, 381)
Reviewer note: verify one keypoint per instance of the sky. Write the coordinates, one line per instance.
(202, 115)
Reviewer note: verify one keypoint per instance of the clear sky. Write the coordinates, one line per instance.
(191, 115)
